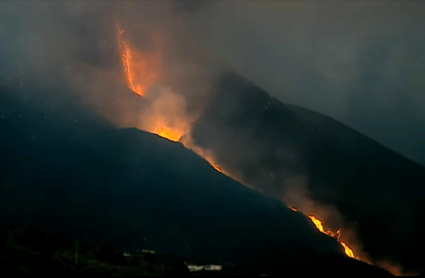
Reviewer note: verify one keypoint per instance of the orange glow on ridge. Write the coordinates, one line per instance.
(169, 133)
(216, 167)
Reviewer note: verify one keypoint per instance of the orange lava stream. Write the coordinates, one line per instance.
(141, 71)
(318, 223)
(216, 167)
(126, 60)
(347, 250)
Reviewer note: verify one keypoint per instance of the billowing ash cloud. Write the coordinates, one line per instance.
(360, 62)
(73, 46)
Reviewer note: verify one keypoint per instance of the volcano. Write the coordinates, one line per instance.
(278, 147)
(66, 164)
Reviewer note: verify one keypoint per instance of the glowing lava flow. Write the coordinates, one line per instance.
(348, 251)
(126, 60)
(318, 223)
(216, 167)
(141, 71)
(319, 226)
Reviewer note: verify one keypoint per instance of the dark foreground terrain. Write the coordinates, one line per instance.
(30, 250)
(33, 251)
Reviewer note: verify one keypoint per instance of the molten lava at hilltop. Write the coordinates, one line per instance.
(166, 114)
(168, 133)
(348, 251)
(167, 117)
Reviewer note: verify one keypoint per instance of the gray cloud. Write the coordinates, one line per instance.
(360, 62)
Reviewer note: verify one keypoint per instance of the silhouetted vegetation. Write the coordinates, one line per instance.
(32, 250)
(179, 269)
(112, 254)
(36, 251)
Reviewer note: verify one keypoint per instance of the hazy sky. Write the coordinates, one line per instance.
(362, 63)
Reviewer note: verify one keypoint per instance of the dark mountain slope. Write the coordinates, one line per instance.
(74, 173)
(281, 147)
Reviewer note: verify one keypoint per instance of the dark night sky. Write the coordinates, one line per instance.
(361, 63)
